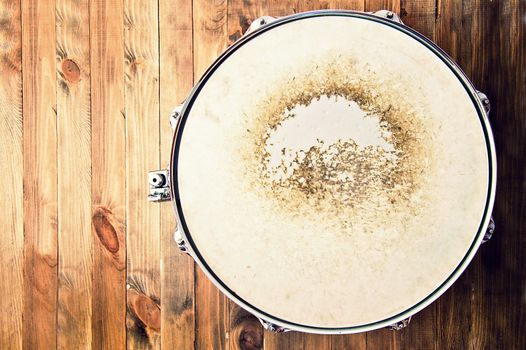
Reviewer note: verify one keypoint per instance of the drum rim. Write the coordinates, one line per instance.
(453, 276)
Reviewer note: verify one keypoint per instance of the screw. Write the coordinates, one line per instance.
(389, 15)
(157, 180)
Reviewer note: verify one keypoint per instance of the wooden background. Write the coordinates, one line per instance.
(85, 92)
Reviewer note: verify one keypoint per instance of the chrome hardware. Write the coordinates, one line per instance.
(489, 231)
(485, 101)
(259, 22)
(390, 15)
(175, 116)
(400, 324)
(159, 181)
(179, 240)
(271, 327)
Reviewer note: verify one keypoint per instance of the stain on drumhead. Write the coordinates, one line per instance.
(342, 182)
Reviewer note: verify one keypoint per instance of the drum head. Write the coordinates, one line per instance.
(333, 171)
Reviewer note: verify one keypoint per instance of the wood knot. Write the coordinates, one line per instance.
(105, 230)
(251, 338)
(146, 310)
(247, 330)
(70, 70)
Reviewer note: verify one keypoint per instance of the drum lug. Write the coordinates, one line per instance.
(485, 101)
(175, 116)
(179, 240)
(400, 324)
(489, 230)
(159, 181)
(271, 327)
(259, 22)
(390, 15)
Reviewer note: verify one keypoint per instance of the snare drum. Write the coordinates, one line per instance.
(332, 172)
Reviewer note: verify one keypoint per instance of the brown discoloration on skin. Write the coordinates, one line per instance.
(378, 183)
(105, 230)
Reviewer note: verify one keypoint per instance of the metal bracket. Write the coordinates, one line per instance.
(485, 101)
(259, 22)
(159, 181)
(175, 116)
(489, 231)
(400, 324)
(390, 15)
(179, 240)
(271, 327)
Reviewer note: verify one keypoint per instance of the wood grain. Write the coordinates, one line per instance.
(40, 174)
(74, 175)
(419, 15)
(11, 163)
(375, 5)
(503, 260)
(176, 80)
(143, 320)
(212, 307)
(448, 27)
(108, 150)
(84, 84)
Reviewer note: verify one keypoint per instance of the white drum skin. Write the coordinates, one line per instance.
(357, 228)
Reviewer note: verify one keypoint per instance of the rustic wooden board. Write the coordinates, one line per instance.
(85, 94)
(11, 163)
(141, 50)
(108, 150)
(74, 175)
(40, 174)
(176, 79)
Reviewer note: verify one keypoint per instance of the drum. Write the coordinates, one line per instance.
(332, 172)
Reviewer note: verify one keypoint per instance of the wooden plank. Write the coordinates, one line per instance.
(496, 59)
(448, 27)
(246, 332)
(74, 175)
(419, 15)
(357, 5)
(310, 5)
(176, 80)
(11, 161)
(108, 174)
(504, 257)
(40, 174)
(421, 333)
(349, 342)
(241, 14)
(212, 307)
(375, 5)
(143, 319)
